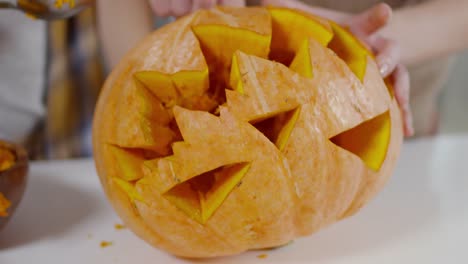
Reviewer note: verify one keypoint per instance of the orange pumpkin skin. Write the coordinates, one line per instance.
(207, 147)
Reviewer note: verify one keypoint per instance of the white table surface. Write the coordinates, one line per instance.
(420, 217)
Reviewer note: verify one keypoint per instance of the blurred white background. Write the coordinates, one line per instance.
(454, 101)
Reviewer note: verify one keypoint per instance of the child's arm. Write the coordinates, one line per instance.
(121, 24)
(424, 31)
(429, 30)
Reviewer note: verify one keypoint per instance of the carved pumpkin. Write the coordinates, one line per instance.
(243, 128)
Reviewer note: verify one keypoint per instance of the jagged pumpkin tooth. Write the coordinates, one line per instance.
(175, 69)
(290, 28)
(301, 62)
(185, 199)
(128, 161)
(129, 189)
(235, 77)
(269, 88)
(349, 49)
(173, 89)
(142, 121)
(224, 182)
(287, 128)
(222, 31)
(160, 84)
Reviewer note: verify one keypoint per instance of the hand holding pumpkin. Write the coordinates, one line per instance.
(366, 26)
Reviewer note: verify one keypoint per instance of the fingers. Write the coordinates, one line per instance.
(234, 3)
(387, 53)
(181, 7)
(160, 8)
(366, 25)
(371, 20)
(388, 57)
(401, 86)
(197, 4)
(164, 8)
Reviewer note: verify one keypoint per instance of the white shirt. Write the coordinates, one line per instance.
(22, 78)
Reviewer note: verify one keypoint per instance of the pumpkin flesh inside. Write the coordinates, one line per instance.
(290, 28)
(349, 49)
(200, 196)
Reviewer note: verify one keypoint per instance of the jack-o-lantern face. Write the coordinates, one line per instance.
(243, 128)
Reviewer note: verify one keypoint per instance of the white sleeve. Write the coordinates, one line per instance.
(22, 73)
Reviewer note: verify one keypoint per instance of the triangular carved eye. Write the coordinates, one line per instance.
(368, 140)
(200, 196)
(278, 128)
